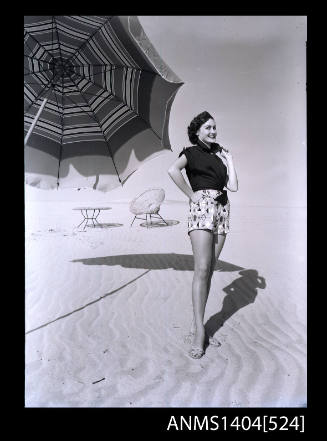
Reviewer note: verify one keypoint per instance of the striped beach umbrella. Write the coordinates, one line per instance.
(97, 100)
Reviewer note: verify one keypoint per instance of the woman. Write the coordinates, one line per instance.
(209, 168)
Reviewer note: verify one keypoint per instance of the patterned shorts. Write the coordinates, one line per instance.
(208, 214)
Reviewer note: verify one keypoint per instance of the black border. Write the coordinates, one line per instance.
(152, 420)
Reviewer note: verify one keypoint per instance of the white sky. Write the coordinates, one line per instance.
(250, 73)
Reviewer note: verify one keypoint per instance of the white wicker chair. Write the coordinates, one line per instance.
(148, 204)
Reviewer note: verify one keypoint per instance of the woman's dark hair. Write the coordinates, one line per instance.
(195, 124)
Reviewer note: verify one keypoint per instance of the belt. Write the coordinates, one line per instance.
(222, 198)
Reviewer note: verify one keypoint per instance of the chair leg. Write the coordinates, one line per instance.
(162, 219)
(148, 223)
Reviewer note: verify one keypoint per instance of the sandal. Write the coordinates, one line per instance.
(196, 353)
(212, 340)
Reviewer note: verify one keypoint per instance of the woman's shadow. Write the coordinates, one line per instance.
(241, 292)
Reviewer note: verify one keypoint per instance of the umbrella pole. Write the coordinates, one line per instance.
(30, 130)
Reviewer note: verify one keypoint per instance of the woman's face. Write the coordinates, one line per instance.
(207, 132)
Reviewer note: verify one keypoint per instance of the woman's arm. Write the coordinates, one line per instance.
(232, 183)
(175, 172)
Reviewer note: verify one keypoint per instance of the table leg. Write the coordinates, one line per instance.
(96, 218)
(80, 223)
(90, 217)
(86, 216)
(84, 220)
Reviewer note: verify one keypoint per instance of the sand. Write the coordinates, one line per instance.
(108, 308)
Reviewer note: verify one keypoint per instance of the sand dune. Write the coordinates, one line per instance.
(107, 310)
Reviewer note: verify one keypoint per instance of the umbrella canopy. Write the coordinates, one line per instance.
(100, 96)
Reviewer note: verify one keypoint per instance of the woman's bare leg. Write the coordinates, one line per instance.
(218, 243)
(202, 251)
(217, 246)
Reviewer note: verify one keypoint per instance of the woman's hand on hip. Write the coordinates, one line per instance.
(196, 197)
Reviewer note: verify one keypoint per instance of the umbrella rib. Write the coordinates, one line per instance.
(31, 50)
(37, 42)
(37, 59)
(50, 80)
(94, 117)
(74, 55)
(62, 129)
(39, 71)
(52, 26)
(33, 84)
(54, 90)
(85, 93)
(38, 96)
(52, 31)
(28, 46)
(89, 113)
(118, 99)
(56, 27)
(92, 94)
(114, 66)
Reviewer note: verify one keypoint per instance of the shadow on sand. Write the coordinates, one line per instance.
(106, 225)
(241, 292)
(160, 223)
(179, 262)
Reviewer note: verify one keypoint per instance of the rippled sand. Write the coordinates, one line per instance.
(107, 310)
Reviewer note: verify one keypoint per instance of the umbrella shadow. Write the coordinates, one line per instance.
(179, 262)
(240, 293)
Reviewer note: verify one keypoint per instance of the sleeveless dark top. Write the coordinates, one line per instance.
(205, 170)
